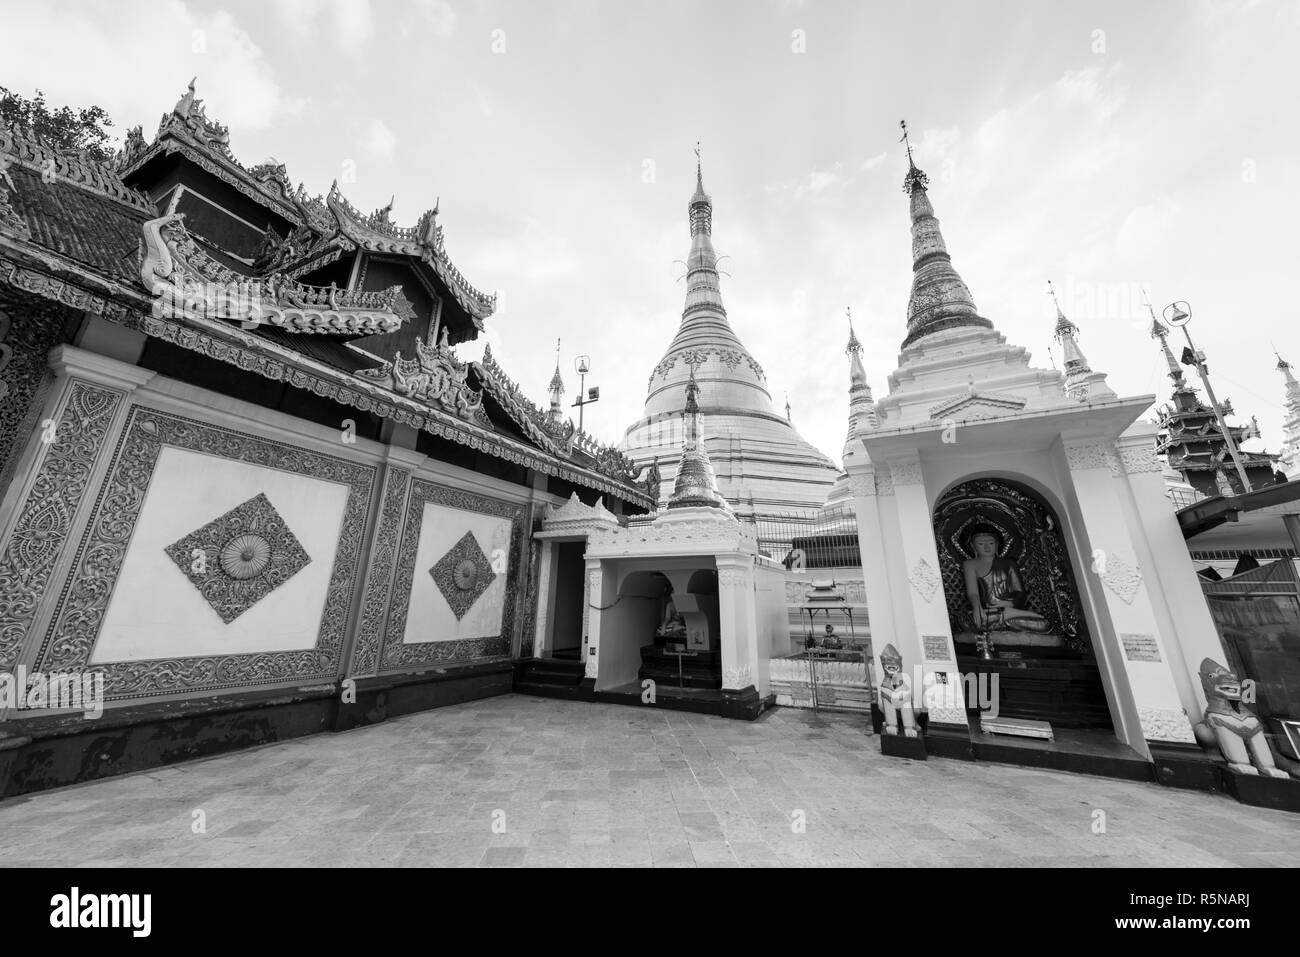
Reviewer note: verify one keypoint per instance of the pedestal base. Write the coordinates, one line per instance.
(901, 746)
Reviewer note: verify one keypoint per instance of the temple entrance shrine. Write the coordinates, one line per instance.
(1013, 606)
(1014, 524)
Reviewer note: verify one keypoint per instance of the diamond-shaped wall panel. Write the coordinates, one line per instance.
(238, 559)
(463, 574)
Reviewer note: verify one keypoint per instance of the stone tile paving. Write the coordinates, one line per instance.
(575, 784)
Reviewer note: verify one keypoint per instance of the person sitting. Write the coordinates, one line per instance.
(994, 588)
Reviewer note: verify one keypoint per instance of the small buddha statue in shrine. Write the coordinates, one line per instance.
(673, 625)
(994, 587)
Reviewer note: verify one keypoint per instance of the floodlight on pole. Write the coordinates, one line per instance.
(1178, 315)
(582, 364)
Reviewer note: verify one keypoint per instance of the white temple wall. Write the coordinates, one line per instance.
(113, 540)
(772, 620)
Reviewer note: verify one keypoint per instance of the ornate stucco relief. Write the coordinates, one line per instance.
(383, 554)
(240, 557)
(71, 637)
(924, 579)
(1122, 578)
(463, 574)
(397, 654)
(735, 679)
(45, 517)
(1166, 724)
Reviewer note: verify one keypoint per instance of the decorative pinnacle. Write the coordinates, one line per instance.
(1158, 331)
(1056, 302)
(915, 179)
(854, 346)
(699, 168)
(1064, 327)
(692, 390)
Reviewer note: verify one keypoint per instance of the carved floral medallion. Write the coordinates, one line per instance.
(239, 558)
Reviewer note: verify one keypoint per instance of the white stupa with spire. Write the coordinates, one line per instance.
(556, 388)
(763, 465)
(1081, 383)
(862, 418)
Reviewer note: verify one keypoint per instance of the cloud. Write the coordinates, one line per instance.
(379, 139)
(439, 15)
(350, 21)
(166, 43)
(1143, 230)
(875, 161)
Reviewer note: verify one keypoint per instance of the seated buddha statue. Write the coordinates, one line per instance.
(674, 622)
(994, 588)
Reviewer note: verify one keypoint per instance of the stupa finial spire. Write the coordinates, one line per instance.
(1158, 331)
(696, 484)
(939, 299)
(915, 178)
(556, 388)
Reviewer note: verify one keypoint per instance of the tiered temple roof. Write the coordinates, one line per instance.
(257, 276)
(1193, 443)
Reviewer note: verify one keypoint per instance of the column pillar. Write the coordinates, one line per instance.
(543, 631)
(875, 564)
(1180, 601)
(736, 617)
(1133, 643)
(930, 643)
(593, 599)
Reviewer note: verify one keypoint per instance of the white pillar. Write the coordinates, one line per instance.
(593, 599)
(1135, 639)
(931, 640)
(543, 630)
(738, 622)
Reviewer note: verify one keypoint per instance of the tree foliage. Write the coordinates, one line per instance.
(82, 131)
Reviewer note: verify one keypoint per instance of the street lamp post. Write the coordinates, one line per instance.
(582, 365)
(1178, 315)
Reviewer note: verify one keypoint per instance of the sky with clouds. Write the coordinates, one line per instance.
(1110, 147)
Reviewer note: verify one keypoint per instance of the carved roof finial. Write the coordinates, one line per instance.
(1064, 327)
(915, 179)
(854, 347)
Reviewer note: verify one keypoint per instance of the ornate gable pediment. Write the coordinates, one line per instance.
(574, 516)
(973, 404)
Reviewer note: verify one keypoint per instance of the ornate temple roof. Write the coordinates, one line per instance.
(73, 232)
(757, 453)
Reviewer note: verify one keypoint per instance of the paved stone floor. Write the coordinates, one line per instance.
(569, 783)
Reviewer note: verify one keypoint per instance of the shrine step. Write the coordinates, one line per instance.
(550, 671)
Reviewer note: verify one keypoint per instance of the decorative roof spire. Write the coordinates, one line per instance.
(1081, 383)
(556, 387)
(915, 179)
(703, 290)
(1290, 460)
(939, 299)
(1158, 331)
(696, 485)
(862, 407)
